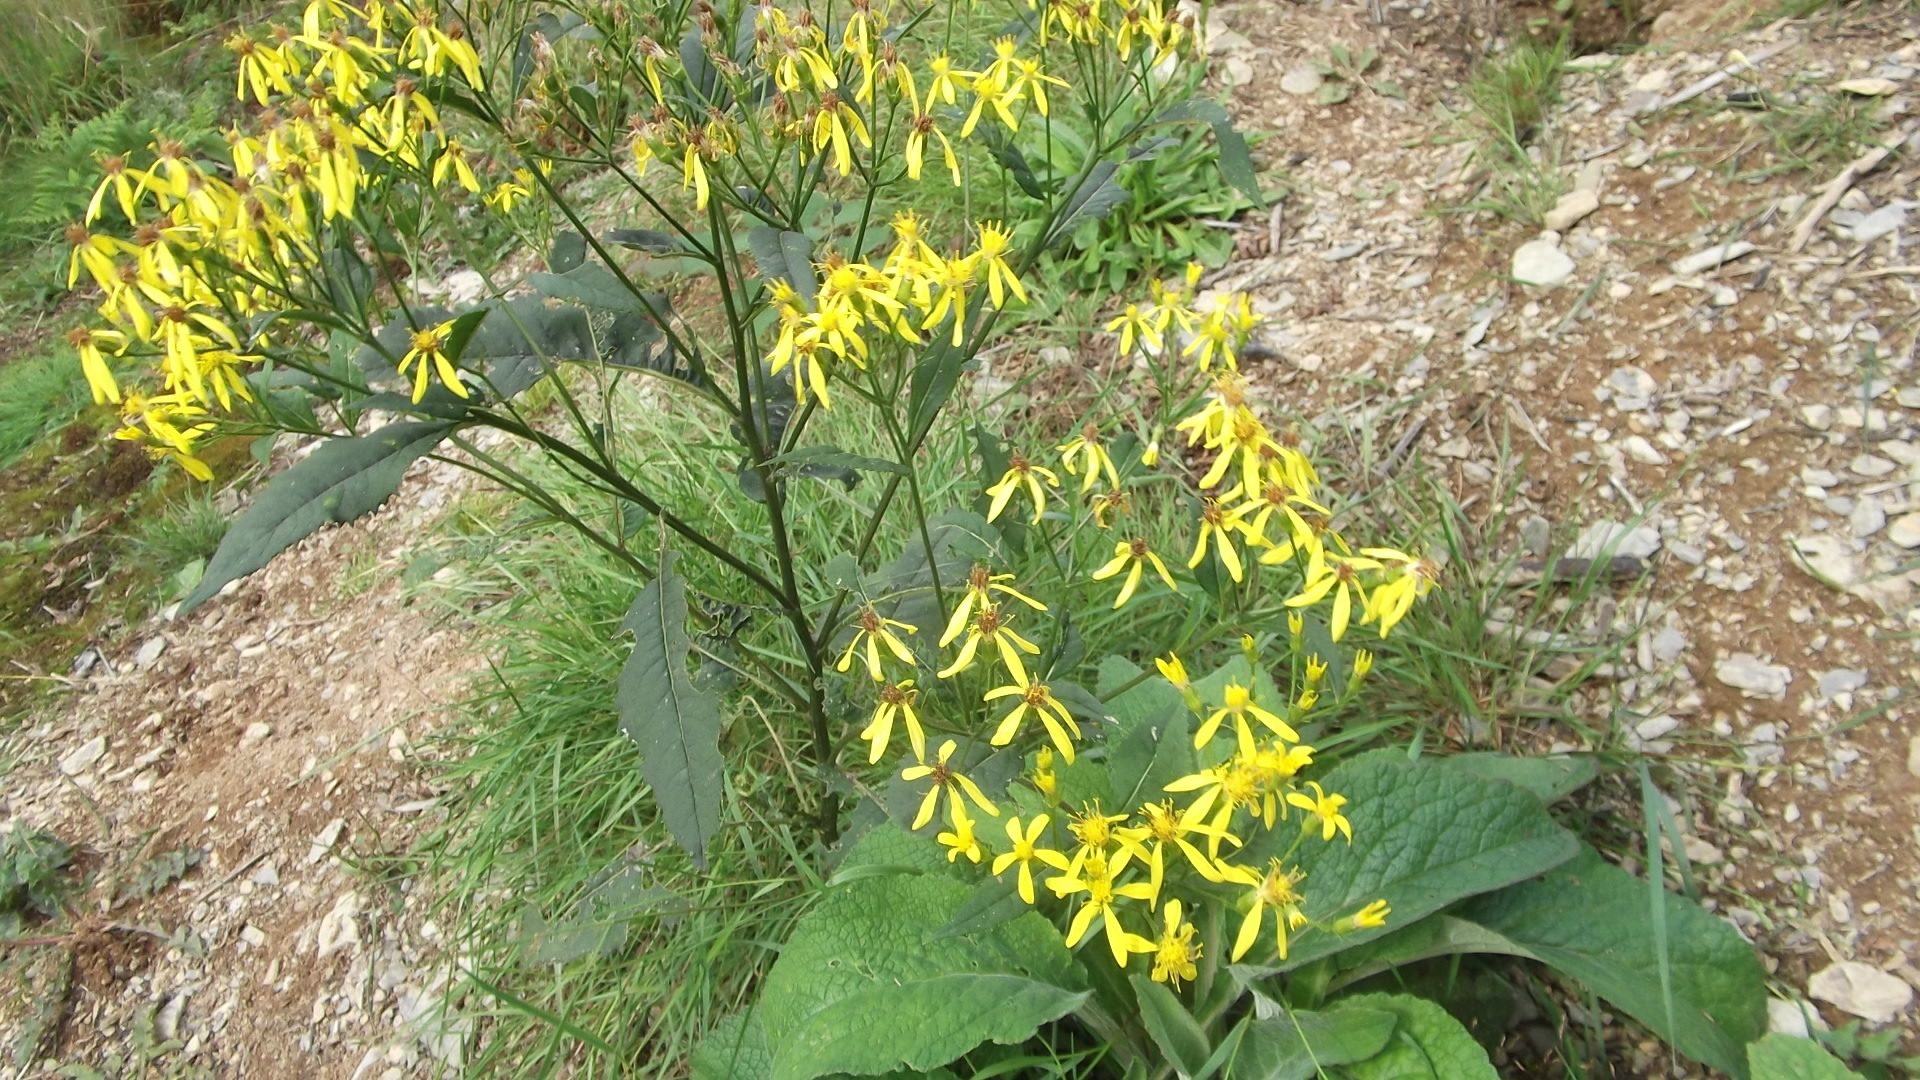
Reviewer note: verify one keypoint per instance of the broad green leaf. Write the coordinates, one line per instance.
(1299, 1044)
(1549, 778)
(1016, 164)
(734, 1049)
(919, 1024)
(338, 482)
(935, 374)
(569, 251)
(1784, 1057)
(1427, 1044)
(1333, 92)
(1172, 1028)
(675, 725)
(1424, 836)
(1141, 762)
(651, 241)
(992, 902)
(1588, 920)
(1095, 198)
(1145, 701)
(594, 286)
(865, 984)
(1436, 935)
(786, 255)
(829, 457)
(1236, 164)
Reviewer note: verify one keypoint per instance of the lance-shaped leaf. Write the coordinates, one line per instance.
(1236, 164)
(785, 255)
(338, 482)
(1095, 197)
(675, 724)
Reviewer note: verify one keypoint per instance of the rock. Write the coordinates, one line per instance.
(1788, 1018)
(1535, 534)
(1457, 447)
(255, 732)
(1235, 71)
(1817, 417)
(1861, 990)
(1869, 87)
(1755, 677)
(1702, 852)
(1302, 80)
(1632, 387)
(1604, 539)
(253, 935)
(1639, 449)
(1907, 397)
(1913, 757)
(1871, 466)
(1538, 262)
(1868, 517)
(324, 840)
(85, 756)
(1668, 644)
(1828, 559)
(1701, 261)
(338, 927)
(1841, 681)
(1905, 530)
(1656, 727)
(1866, 228)
(149, 652)
(1345, 251)
(1572, 206)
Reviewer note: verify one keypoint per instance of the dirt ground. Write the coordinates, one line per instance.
(1751, 428)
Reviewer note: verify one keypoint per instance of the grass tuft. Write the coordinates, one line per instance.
(1510, 100)
(39, 394)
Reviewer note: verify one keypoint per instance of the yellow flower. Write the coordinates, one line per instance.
(1022, 474)
(1107, 502)
(982, 584)
(1325, 809)
(960, 840)
(1044, 780)
(953, 277)
(944, 83)
(1026, 851)
(1084, 456)
(93, 360)
(1371, 917)
(995, 242)
(693, 174)
(1340, 575)
(830, 127)
(948, 779)
(1275, 890)
(1215, 526)
(1096, 881)
(453, 162)
(896, 700)
(1132, 323)
(1164, 827)
(1237, 702)
(1137, 554)
(1230, 786)
(922, 126)
(1391, 599)
(1037, 699)
(429, 347)
(873, 630)
(506, 195)
(990, 625)
(116, 177)
(1174, 954)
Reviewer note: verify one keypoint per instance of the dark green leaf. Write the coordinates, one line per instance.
(1436, 935)
(1147, 757)
(1009, 155)
(734, 1049)
(675, 725)
(1095, 197)
(1424, 836)
(1549, 778)
(338, 482)
(1236, 163)
(1298, 1044)
(594, 286)
(1427, 1043)
(569, 252)
(785, 255)
(1172, 1028)
(1588, 920)
(652, 241)
(992, 902)
(935, 374)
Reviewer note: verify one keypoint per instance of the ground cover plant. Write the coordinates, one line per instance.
(1014, 828)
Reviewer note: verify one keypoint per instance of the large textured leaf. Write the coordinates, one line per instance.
(1436, 935)
(1784, 1057)
(1424, 836)
(1588, 920)
(675, 724)
(1549, 778)
(866, 984)
(1236, 164)
(1298, 1044)
(734, 1049)
(1427, 1044)
(338, 482)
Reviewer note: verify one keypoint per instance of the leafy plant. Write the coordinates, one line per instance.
(33, 865)
(1874, 1056)
(1344, 69)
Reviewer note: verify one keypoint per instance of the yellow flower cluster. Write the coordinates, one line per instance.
(212, 245)
(913, 290)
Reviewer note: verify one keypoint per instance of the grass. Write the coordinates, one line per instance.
(1509, 100)
(40, 393)
(179, 531)
(1822, 131)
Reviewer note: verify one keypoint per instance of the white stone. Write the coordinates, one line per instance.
(1632, 387)
(85, 756)
(253, 935)
(338, 927)
(149, 651)
(1787, 1018)
(1841, 681)
(255, 732)
(1573, 206)
(1871, 466)
(1750, 674)
(1302, 80)
(324, 840)
(1613, 539)
(1913, 757)
(1829, 559)
(1706, 259)
(1905, 530)
(1639, 449)
(1868, 517)
(1538, 262)
(1656, 727)
(1869, 87)
(1816, 416)
(1861, 990)
(1701, 852)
